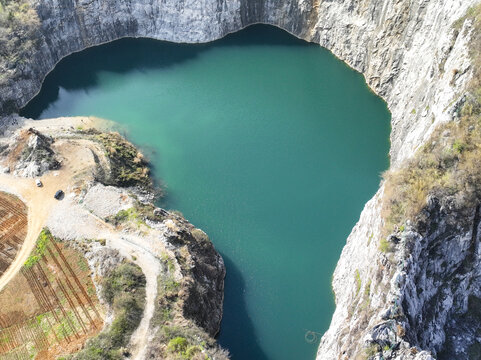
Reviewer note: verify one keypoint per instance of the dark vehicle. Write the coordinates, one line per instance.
(58, 194)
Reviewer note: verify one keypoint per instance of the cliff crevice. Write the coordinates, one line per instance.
(414, 54)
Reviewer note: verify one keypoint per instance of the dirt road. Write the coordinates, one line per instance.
(40, 200)
(73, 220)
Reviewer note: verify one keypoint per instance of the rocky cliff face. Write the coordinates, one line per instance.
(411, 55)
(419, 300)
(383, 39)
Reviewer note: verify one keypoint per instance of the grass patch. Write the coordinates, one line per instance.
(371, 351)
(137, 214)
(128, 166)
(472, 13)
(127, 215)
(357, 276)
(124, 291)
(384, 245)
(43, 240)
(367, 290)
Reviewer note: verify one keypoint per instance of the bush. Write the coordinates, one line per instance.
(178, 344)
(124, 290)
(449, 165)
(127, 165)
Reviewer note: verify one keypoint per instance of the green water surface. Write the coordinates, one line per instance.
(269, 144)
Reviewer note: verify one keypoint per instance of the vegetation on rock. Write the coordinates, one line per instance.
(183, 298)
(19, 25)
(128, 166)
(448, 166)
(124, 291)
(138, 215)
(19, 37)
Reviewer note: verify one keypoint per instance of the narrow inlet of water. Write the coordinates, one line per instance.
(269, 144)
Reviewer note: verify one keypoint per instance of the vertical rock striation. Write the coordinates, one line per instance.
(413, 57)
(383, 39)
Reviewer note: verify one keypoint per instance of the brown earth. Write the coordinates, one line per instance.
(50, 308)
(13, 228)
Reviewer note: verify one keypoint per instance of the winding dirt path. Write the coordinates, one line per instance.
(151, 268)
(39, 202)
(70, 217)
(72, 220)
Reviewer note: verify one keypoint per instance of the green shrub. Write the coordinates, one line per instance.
(180, 346)
(384, 245)
(124, 290)
(177, 345)
(43, 239)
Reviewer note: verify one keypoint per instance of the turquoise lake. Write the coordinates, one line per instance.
(269, 144)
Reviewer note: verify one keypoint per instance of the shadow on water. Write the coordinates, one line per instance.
(254, 326)
(125, 55)
(236, 323)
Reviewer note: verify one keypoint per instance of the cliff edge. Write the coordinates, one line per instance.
(401, 291)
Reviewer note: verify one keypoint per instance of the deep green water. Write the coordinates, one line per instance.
(269, 144)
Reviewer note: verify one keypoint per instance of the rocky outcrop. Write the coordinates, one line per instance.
(416, 300)
(159, 277)
(380, 38)
(410, 54)
(29, 154)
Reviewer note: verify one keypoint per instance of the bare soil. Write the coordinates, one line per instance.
(13, 228)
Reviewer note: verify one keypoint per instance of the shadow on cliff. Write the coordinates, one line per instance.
(80, 71)
(237, 332)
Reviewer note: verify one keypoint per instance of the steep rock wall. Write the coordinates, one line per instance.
(383, 39)
(408, 52)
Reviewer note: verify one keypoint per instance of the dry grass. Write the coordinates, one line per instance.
(128, 165)
(449, 165)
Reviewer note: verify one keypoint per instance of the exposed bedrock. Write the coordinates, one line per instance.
(383, 39)
(413, 57)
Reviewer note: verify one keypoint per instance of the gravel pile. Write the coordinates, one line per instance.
(106, 201)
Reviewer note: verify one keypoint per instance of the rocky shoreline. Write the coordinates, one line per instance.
(183, 275)
(414, 57)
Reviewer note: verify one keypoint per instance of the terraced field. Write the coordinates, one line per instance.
(13, 228)
(50, 307)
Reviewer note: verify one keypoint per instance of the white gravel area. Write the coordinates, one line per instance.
(70, 220)
(105, 201)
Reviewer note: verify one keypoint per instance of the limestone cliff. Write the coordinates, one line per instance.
(383, 39)
(409, 53)
(160, 278)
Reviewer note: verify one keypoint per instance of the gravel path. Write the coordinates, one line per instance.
(68, 219)
(72, 221)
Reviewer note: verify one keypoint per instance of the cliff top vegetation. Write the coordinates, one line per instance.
(448, 166)
(19, 34)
